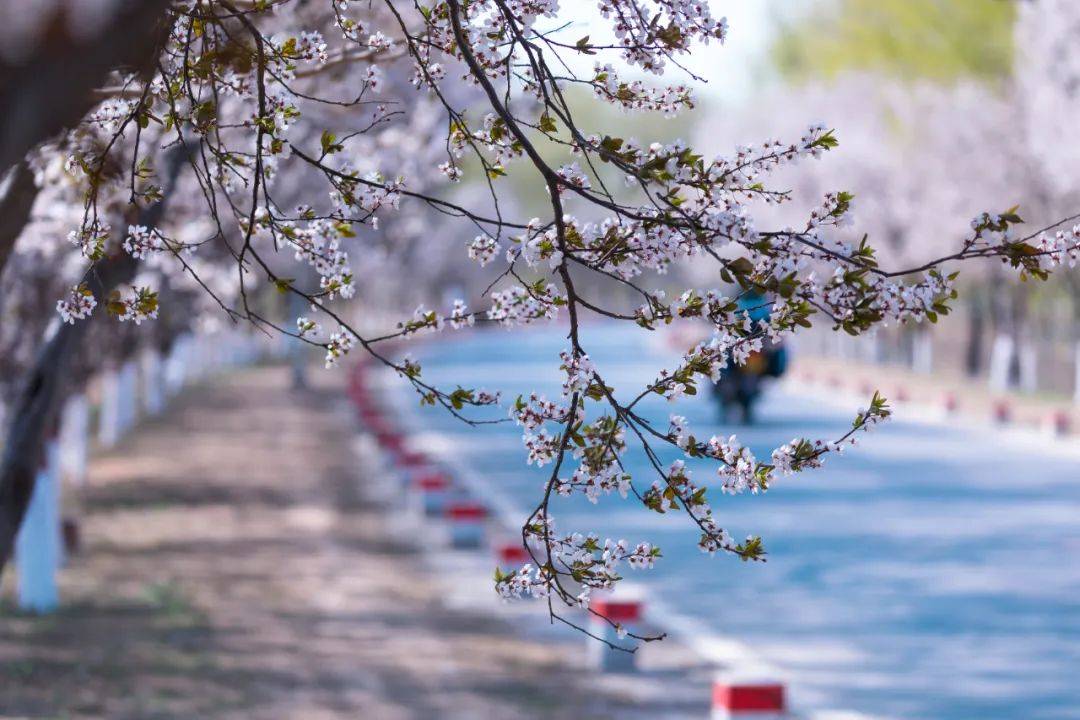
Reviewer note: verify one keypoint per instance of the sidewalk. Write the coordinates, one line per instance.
(232, 568)
(952, 394)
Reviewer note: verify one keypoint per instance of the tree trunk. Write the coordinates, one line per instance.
(52, 88)
(973, 355)
(153, 381)
(36, 406)
(17, 195)
(39, 400)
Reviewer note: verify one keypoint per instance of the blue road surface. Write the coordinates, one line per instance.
(931, 572)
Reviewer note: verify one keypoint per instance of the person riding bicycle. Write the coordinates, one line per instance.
(740, 385)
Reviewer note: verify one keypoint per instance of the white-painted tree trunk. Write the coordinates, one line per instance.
(177, 365)
(200, 357)
(1076, 373)
(837, 349)
(871, 347)
(1029, 367)
(1001, 356)
(153, 382)
(235, 349)
(117, 404)
(38, 546)
(922, 355)
(129, 408)
(74, 434)
(109, 415)
(281, 345)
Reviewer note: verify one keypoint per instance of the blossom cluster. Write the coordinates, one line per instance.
(521, 305)
(594, 565)
(78, 305)
(136, 304)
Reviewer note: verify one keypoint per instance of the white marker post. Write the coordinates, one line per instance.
(922, 353)
(619, 611)
(466, 519)
(129, 409)
(1001, 358)
(1029, 367)
(153, 382)
(429, 493)
(71, 460)
(74, 433)
(37, 546)
(1076, 373)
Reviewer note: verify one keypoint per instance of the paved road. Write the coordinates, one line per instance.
(932, 573)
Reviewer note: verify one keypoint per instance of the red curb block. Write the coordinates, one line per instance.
(1060, 422)
(1002, 412)
(950, 402)
(512, 554)
(465, 512)
(619, 611)
(432, 481)
(748, 699)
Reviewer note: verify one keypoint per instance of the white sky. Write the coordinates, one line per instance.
(734, 70)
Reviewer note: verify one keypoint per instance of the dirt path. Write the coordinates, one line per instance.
(230, 569)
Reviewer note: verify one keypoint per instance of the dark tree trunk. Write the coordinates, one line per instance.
(973, 355)
(34, 411)
(52, 88)
(38, 402)
(17, 195)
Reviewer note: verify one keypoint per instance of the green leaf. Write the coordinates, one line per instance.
(827, 141)
(583, 46)
(547, 124)
(329, 144)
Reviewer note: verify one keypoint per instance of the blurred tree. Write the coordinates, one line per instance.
(940, 40)
(975, 99)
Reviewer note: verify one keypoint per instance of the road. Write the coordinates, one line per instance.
(932, 572)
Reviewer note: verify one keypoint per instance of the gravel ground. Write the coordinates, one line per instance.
(231, 568)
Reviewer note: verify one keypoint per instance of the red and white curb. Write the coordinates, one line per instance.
(429, 493)
(441, 490)
(609, 615)
(1002, 411)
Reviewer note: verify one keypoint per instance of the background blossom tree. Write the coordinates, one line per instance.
(970, 101)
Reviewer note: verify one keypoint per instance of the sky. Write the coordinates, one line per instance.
(734, 69)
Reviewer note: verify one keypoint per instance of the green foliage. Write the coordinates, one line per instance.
(587, 113)
(328, 142)
(939, 40)
(752, 549)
